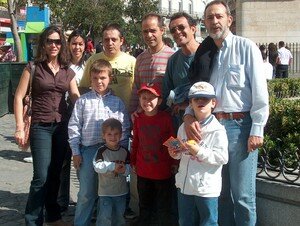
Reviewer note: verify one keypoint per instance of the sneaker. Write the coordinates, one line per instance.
(129, 214)
(28, 159)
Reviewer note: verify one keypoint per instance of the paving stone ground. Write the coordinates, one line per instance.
(15, 177)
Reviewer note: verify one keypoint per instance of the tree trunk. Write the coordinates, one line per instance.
(14, 29)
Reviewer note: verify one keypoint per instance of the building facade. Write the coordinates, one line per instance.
(193, 7)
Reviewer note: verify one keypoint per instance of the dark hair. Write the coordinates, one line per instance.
(218, 2)
(272, 47)
(281, 44)
(262, 47)
(159, 18)
(101, 65)
(264, 55)
(41, 56)
(111, 123)
(191, 21)
(113, 26)
(79, 33)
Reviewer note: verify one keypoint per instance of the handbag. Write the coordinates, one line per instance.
(27, 103)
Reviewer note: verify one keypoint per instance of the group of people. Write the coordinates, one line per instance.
(276, 62)
(6, 53)
(196, 117)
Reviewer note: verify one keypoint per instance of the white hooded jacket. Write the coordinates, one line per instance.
(200, 175)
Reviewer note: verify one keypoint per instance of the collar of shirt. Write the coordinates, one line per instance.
(207, 120)
(228, 40)
(101, 96)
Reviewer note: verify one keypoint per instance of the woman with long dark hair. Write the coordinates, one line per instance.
(77, 49)
(52, 78)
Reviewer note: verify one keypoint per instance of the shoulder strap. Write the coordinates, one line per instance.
(32, 71)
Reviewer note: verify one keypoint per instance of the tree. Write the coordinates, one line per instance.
(91, 15)
(88, 15)
(14, 28)
(134, 12)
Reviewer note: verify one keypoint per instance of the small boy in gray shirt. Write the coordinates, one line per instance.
(112, 165)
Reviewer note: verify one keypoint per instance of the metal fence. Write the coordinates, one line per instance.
(281, 168)
(280, 165)
(295, 50)
(294, 69)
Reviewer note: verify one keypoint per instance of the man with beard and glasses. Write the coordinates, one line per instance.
(242, 108)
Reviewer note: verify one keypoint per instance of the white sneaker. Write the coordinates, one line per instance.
(28, 159)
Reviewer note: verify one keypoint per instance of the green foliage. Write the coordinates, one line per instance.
(92, 15)
(134, 12)
(281, 88)
(283, 126)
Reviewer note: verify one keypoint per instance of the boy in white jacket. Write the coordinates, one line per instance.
(199, 179)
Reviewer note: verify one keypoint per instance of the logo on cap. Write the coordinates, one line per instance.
(202, 89)
(151, 87)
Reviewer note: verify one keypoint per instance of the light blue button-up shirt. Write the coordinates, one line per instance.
(239, 82)
(89, 112)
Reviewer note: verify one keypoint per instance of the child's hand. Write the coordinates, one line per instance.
(192, 147)
(77, 159)
(133, 168)
(135, 115)
(120, 168)
(173, 152)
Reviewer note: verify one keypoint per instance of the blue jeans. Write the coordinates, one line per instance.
(237, 204)
(111, 211)
(190, 207)
(282, 71)
(48, 143)
(63, 198)
(88, 187)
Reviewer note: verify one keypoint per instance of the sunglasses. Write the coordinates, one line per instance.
(179, 28)
(53, 41)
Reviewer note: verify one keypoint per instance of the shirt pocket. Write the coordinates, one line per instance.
(236, 76)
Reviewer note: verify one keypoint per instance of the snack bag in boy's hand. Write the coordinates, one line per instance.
(175, 144)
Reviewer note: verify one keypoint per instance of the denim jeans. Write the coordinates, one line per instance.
(237, 204)
(88, 187)
(154, 198)
(48, 143)
(190, 207)
(282, 71)
(111, 210)
(63, 198)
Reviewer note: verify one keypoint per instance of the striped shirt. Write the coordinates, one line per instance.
(149, 68)
(90, 110)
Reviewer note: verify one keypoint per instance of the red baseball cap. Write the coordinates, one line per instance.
(152, 87)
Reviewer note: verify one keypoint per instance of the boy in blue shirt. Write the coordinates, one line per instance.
(85, 137)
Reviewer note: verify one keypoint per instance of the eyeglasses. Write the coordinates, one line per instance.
(179, 28)
(53, 41)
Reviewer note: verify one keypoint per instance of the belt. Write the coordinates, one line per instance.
(231, 115)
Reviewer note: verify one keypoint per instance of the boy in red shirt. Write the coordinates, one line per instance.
(150, 159)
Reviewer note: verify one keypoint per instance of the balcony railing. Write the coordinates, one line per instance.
(284, 167)
(281, 165)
